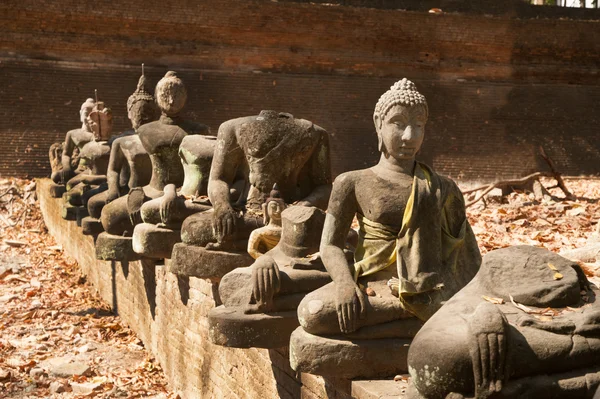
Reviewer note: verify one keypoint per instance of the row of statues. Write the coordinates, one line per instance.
(255, 211)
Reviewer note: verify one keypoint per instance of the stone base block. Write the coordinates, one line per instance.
(231, 327)
(192, 261)
(336, 357)
(112, 247)
(153, 241)
(81, 213)
(91, 226)
(57, 190)
(68, 211)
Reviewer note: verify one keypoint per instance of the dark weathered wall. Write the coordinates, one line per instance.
(498, 86)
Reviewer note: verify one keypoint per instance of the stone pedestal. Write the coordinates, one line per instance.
(57, 190)
(68, 211)
(231, 327)
(192, 261)
(91, 226)
(356, 358)
(81, 213)
(112, 247)
(153, 241)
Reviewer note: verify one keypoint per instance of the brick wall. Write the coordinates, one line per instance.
(498, 86)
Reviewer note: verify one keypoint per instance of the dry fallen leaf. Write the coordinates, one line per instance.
(497, 301)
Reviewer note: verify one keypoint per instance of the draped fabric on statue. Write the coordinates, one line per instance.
(435, 250)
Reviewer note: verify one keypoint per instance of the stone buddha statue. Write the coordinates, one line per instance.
(161, 140)
(129, 164)
(415, 250)
(270, 148)
(267, 237)
(260, 301)
(94, 157)
(527, 326)
(74, 141)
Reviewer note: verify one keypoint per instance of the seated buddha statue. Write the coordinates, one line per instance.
(94, 156)
(270, 148)
(129, 165)
(527, 326)
(161, 140)
(267, 237)
(260, 301)
(415, 250)
(63, 168)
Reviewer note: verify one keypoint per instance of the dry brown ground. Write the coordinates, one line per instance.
(49, 317)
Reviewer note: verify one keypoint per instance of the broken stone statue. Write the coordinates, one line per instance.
(94, 156)
(415, 250)
(62, 162)
(161, 140)
(260, 301)
(270, 148)
(527, 326)
(129, 164)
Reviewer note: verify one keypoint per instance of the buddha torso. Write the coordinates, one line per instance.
(196, 153)
(96, 155)
(80, 137)
(161, 140)
(137, 160)
(380, 199)
(276, 150)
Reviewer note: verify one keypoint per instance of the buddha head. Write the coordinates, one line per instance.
(100, 121)
(400, 117)
(273, 207)
(84, 112)
(171, 94)
(141, 107)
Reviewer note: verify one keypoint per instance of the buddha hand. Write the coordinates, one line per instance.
(488, 347)
(224, 221)
(167, 204)
(266, 283)
(66, 174)
(350, 305)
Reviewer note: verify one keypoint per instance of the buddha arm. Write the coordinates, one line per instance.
(67, 152)
(225, 163)
(320, 172)
(115, 164)
(341, 210)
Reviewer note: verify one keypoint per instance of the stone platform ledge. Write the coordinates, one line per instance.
(170, 315)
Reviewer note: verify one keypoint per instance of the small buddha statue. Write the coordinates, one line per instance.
(94, 156)
(63, 168)
(413, 233)
(129, 164)
(527, 326)
(161, 140)
(270, 148)
(260, 301)
(267, 237)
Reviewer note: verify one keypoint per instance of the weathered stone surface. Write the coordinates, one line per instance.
(57, 190)
(68, 211)
(364, 358)
(231, 327)
(112, 247)
(154, 241)
(91, 226)
(193, 261)
(66, 367)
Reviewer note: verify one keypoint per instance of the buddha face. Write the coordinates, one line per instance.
(401, 131)
(100, 121)
(84, 112)
(274, 209)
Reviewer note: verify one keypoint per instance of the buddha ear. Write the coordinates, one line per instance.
(377, 122)
(266, 217)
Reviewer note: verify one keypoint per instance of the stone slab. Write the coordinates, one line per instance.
(362, 358)
(153, 241)
(231, 327)
(192, 261)
(57, 190)
(113, 247)
(91, 226)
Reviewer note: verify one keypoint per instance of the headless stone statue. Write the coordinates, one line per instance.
(129, 164)
(94, 156)
(64, 168)
(527, 326)
(415, 250)
(161, 140)
(260, 301)
(271, 148)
